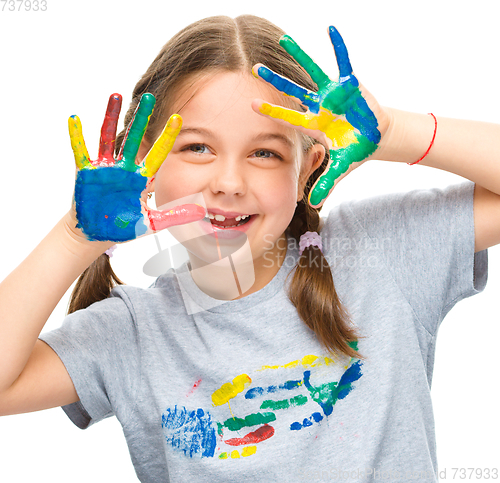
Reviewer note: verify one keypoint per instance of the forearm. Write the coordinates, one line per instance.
(30, 293)
(469, 149)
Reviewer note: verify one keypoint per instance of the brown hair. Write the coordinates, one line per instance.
(218, 44)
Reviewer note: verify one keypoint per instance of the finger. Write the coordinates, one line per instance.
(325, 183)
(180, 215)
(345, 69)
(135, 132)
(317, 75)
(314, 133)
(340, 160)
(108, 130)
(289, 116)
(304, 96)
(162, 146)
(82, 159)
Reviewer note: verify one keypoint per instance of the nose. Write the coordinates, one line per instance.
(228, 177)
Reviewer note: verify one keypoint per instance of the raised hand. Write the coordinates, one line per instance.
(110, 193)
(337, 114)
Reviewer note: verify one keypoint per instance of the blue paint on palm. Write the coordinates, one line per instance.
(108, 204)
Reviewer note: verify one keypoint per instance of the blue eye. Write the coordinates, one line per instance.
(264, 153)
(197, 149)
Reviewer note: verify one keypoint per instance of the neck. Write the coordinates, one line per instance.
(238, 275)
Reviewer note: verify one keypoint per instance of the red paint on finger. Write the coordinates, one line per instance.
(261, 434)
(108, 131)
(180, 215)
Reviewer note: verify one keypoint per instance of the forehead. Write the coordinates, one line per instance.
(226, 97)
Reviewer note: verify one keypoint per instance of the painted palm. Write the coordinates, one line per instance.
(110, 193)
(338, 110)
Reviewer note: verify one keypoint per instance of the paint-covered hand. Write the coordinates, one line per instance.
(337, 115)
(110, 193)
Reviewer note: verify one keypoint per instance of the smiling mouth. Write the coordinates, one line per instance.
(220, 221)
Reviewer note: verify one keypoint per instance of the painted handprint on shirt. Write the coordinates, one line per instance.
(199, 433)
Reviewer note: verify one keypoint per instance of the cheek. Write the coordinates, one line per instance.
(280, 195)
(172, 182)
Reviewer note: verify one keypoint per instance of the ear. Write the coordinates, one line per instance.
(311, 162)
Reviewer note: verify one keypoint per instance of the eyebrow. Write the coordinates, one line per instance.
(259, 138)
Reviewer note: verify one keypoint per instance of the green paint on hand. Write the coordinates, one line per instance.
(121, 223)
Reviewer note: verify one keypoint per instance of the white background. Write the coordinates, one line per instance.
(439, 56)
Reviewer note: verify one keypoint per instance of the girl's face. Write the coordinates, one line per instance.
(242, 163)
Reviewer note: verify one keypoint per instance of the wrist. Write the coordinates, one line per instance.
(407, 138)
(391, 140)
(74, 241)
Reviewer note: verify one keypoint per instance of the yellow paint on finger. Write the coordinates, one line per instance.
(230, 390)
(80, 152)
(162, 146)
(337, 129)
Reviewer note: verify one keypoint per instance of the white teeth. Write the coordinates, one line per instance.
(223, 218)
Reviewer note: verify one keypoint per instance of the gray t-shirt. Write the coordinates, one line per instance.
(243, 391)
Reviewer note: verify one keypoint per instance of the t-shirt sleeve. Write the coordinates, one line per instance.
(427, 242)
(98, 346)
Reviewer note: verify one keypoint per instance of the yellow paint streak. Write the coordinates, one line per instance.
(229, 390)
(269, 367)
(235, 454)
(223, 456)
(306, 361)
(337, 129)
(80, 152)
(249, 450)
(162, 146)
(230, 410)
(309, 360)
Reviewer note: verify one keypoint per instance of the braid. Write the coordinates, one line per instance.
(94, 284)
(312, 290)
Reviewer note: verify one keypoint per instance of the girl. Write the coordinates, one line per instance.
(297, 396)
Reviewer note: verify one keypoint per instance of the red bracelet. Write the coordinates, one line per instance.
(432, 141)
